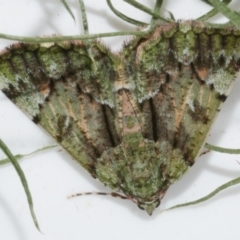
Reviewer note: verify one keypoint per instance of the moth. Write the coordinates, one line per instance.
(135, 120)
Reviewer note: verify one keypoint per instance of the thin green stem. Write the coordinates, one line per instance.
(222, 150)
(124, 17)
(68, 9)
(156, 11)
(23, 179)
(68, 38)
(210, 195)
(84, 17)
(233, 16)
(211, 13)
(20, 156)
(146, 10)
(90, 36)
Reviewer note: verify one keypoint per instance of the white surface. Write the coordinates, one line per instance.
(53, 175)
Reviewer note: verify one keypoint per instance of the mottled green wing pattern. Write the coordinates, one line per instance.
(136, 120)
(180, 74)
(64, 91)
(177, 78)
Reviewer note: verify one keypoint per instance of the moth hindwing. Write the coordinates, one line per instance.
(136, 120)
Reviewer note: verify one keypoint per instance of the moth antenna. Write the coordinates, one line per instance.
(112, 194)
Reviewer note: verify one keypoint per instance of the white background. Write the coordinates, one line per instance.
(53, 175)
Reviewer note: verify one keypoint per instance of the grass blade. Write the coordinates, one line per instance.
(23, 179)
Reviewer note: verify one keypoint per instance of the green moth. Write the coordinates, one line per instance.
(135, 120)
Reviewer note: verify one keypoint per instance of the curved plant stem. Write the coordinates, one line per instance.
(210, 195)
(84, 17)
(111, 34)
(233, 16)
(211, 13)
(156, 10)
(222, 150)
(147, 10)
(20, 156)
(68, 9)
(68, 38)
(23, 179)
(124, 17)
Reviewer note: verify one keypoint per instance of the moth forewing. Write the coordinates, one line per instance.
(214, 168)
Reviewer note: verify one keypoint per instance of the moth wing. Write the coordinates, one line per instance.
(180, 74)
(68, 90)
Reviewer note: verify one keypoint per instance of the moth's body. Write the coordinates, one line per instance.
(136, 120)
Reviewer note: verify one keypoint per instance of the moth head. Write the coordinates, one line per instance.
(149, 207)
